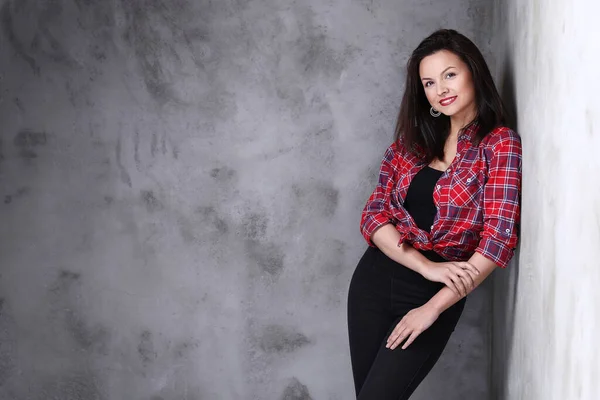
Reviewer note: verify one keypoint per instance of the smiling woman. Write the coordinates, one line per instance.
(443, 88)
(442, 217)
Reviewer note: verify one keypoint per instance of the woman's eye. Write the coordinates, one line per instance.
(428, 83)
(450, 74)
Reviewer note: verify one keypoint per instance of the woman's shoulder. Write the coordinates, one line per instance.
(394, 150)
(400, 152)
(398, 157)
(501, 135)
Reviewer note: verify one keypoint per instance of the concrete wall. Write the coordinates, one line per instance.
(181, 185)
(547, 305)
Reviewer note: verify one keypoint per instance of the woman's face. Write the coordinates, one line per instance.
(448, 84)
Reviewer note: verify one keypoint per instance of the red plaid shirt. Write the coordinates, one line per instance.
(477, 199)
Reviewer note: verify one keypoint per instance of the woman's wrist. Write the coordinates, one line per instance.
(420, 263)
(443, 299)
(424, 265)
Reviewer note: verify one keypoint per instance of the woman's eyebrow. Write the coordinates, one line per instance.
(444, 71)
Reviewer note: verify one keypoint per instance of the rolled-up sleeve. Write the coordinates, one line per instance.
(376, 212)
(501, 199)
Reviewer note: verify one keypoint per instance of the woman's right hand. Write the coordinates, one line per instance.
(459, 276)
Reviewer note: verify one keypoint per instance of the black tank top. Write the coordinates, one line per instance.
(419, 202)
(419, 198)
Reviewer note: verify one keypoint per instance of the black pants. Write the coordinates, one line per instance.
(381, 293)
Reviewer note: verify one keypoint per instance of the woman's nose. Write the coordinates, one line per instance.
(441, 90)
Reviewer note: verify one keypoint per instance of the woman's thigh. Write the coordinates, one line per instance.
(395, 374)
(369, 314)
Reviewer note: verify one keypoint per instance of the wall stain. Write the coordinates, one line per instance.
(43, 42)
(223, 174)
(87, 338)
(84, 3)
(163, 143)
(150, 201)
(281, 339)
(7, 22)
(174, 148)
(19, 104)
(184, 348)
(124, 175)
(145, 348)
(333, 266)
(173, 391)
(143, 34)
(210, 215)
(321, 196)
(294, 98)
(167, 37)
(254, 226)
(158, 146)
(317, 142)
(66, 290)
(316, 56)
(79, 93)
(97, 17)
(186, 231)
(136, 146)
(27, 140)
(154, 145)
(46, 43)
(8, 344)
(75, 386)
(267, 256)
(72, 95)
(101, 13)
(296, 390)
(65, 281)
(98, 53)
(19, 193)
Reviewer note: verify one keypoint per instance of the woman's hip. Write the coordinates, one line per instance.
(378, 274)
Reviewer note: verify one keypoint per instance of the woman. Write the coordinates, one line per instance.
(443, 216)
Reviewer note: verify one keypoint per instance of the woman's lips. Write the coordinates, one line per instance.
(447, 101)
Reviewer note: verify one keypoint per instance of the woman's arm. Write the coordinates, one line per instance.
(416, 321)
(386, 238)
(445, 298)
(457, 276)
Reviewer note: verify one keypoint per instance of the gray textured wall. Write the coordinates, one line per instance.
(181, 185)
(547, 307)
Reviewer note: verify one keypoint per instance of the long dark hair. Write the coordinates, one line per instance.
(424, 135)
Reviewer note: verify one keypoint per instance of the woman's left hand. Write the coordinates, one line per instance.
(414, 323)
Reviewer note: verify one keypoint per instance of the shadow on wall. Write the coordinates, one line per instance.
(505, 281)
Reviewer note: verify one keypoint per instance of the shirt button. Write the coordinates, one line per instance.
(469, 180)
(508, 231)
(431, 227)
(438, 186)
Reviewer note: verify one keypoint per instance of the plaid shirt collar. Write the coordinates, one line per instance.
(470, 131)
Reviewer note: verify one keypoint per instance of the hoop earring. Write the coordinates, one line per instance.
(434, 113)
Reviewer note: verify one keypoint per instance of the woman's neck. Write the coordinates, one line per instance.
(459, 121)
